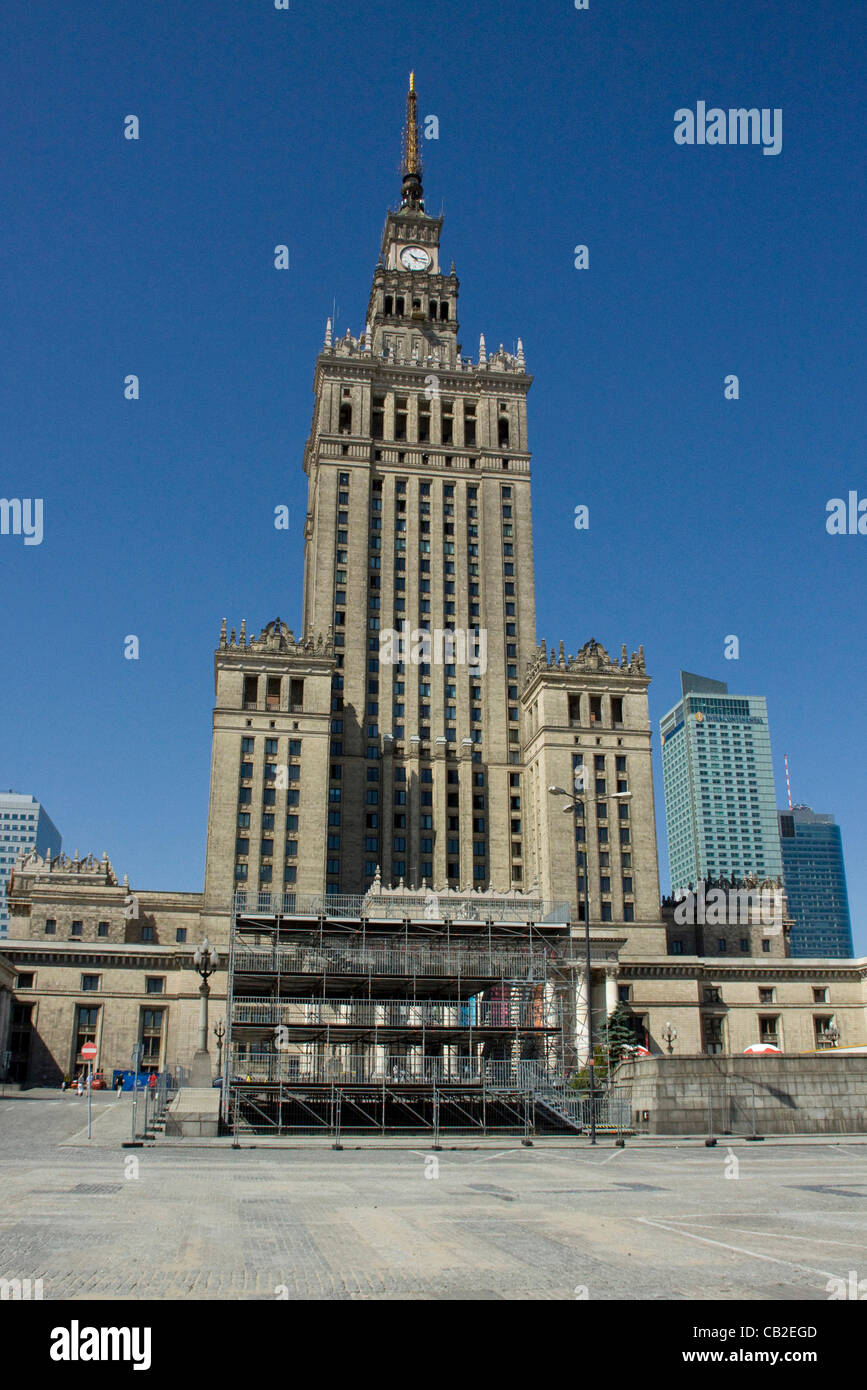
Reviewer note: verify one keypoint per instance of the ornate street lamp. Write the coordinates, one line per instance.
(206, 960)
(669, 1034)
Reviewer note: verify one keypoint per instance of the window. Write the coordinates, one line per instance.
(50, 926)
(102, 928)
(820, 994)
(26, 978)
(766, 995)
(181, 935)
(824, 1026)
(76, 928)
(155, 984)
(151, 1039)
(86, 1027)
(769, 1030)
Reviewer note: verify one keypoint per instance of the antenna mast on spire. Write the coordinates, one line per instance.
(788, 783)
(411, 167)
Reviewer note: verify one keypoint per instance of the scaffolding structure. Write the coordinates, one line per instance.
(343, 1020)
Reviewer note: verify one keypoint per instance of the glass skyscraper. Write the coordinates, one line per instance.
(24, 825)
(815, 881)
(720, 804)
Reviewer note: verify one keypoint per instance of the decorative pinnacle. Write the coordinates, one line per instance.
(411, 167)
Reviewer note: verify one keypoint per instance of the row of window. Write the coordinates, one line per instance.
(274, 693)
(678, 945)
(76, 930)
(154, 984)
(426, 420)
(151, 1034)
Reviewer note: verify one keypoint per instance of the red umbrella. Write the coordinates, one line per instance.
(757, 1048)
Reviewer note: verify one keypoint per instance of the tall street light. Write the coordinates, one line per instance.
(574, 800)
(205, 961)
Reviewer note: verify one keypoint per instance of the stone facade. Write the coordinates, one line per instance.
(726, 1006)
(267, 813)
(94, 960)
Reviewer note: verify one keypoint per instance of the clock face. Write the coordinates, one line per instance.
(415, 258)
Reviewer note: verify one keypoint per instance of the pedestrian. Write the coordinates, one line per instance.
(79, 1087)
(64, 1085)
(153, 1081)
(118, 1085)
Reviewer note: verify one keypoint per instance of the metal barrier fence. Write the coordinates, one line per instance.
(731, 1108)
(342, 1111)
(612, 1107)
(149, 1106)
(438, 1109)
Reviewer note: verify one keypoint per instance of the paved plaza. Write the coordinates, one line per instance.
(656, 1220)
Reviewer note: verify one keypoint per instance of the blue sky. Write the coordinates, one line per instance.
(261, 127)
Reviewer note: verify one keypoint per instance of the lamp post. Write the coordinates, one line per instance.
(574, 800)
(205, 960)
(219, 1034)
(669, 1034)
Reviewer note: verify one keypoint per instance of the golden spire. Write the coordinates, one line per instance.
(411, 168)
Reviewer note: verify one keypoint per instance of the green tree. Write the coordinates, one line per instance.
(617, 1035)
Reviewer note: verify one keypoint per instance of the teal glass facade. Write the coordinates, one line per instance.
(720, 803)
(815, 879)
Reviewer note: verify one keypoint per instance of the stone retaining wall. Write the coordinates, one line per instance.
(823, 1094)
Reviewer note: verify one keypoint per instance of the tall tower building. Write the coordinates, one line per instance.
(25, 825)
(411, 728)
(720, 804)
(815, 880)
(419, 523)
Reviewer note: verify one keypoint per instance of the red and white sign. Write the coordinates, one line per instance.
(89, 1051)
